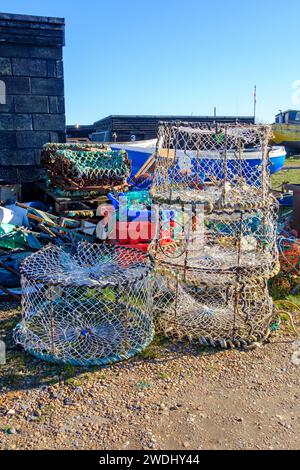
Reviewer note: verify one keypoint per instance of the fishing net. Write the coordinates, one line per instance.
(224, 315)
(215, 246)
(89, 307)
(220, 165)
(217, 242)
(81, 166)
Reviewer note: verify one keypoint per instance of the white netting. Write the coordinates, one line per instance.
(89, 307)
(217, 242)
(221, 165)
(215, 246)
(216, 314)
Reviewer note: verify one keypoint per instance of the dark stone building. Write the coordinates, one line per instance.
(32, 107)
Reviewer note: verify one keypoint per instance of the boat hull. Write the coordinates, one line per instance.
(287, 135)
(252, 158)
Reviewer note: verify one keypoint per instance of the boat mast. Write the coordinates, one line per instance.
(254, 100)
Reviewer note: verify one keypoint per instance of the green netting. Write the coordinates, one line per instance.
(81, 166)
(90, 164)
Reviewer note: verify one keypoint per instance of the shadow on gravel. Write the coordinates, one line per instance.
(23, 372)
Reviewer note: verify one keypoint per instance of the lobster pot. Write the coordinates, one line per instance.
(207, 243)
(233, 315)
(85, 166)
(221, 165)
(89, 307)
(215, 246)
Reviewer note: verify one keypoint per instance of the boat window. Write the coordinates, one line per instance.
(279, 119)
(294, 116)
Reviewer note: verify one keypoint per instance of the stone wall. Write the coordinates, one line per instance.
(32, 107)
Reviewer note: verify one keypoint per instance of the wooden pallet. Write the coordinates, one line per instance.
(80, 206)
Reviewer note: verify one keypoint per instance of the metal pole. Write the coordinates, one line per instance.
(254, 98)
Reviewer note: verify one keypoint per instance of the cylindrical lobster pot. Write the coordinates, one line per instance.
(88, 307)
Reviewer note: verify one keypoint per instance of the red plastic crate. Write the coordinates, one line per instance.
(133, 233)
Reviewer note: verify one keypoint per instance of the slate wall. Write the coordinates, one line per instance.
(31, 74)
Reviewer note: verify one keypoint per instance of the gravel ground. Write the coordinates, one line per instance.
(175, 397)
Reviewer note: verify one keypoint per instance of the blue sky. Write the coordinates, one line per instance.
(175, 56)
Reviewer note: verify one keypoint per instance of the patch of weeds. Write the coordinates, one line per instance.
(295, 299)
(279, 288)
(103, 375)
(285, 288)
(268, 353)
(68, 371)
(177, 368)
(292, 176)
(6, 429)
(45, 411)
(164, 376)
(151, 352)
(73, 381)
(209, 367)
(287, 304)
(89, 376)
(159, 340)
(286, 321)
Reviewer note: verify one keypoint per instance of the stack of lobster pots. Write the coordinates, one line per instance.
(85, 167)
(79, 178)
(215, 247)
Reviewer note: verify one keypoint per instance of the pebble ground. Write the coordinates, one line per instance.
(175, 396)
